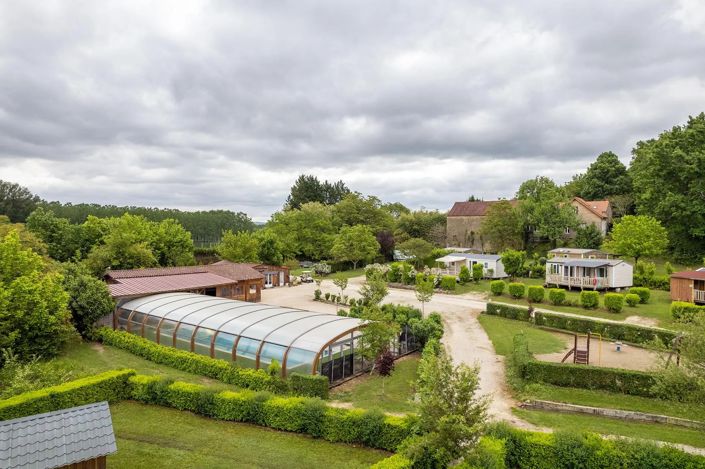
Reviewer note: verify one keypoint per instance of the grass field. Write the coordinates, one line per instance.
(89, 358)
(391, 394)
(157, 437)
(605, 399)
(345, 273)
(607, 426)
(502, 331)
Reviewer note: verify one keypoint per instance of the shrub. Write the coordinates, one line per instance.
(477, 272)
(682, 311)
(557, 296)
(508, 311)
(464, 275)
(448, 283)
(497, 287)
(150, 389)
(660, 282)
(618, 331)
(327, 296)
(317, 294)
(394, 273)
(385, 363)
(489, 453)
(353, 302)
(536, 293)
(517, 290)
(308, 385)
(192, 362)
(589, 299)
(420, 277)
(111, 386)
(643, 292)
(614, 302)
(397, 461)
(632, 299)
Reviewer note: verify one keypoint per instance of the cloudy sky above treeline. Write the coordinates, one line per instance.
(221, 104)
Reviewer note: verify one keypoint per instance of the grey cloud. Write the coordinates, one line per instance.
(221, 104)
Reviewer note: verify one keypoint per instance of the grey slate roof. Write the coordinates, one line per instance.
(484, 257)
(57, 438)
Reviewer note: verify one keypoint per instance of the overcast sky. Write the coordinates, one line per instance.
(199, 105)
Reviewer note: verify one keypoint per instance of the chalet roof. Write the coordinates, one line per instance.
(584, 262)
(598, 207)
(59, 438)
(156, 272)
(144, 285)
(573, 251)
(483, 257)
(690, 274)
(476, 208)
(234, 270)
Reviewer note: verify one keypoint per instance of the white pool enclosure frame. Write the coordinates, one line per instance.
(251, 335)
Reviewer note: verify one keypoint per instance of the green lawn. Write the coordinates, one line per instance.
(596, 398)
(502, 331)
(607, 426)
(158, 437)
(394, 393)
(89, 358)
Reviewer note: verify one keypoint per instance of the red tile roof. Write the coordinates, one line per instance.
(156, 272)
(689, 274)
(234, 270)
(475, 209)
(598, 207)
(147, 285)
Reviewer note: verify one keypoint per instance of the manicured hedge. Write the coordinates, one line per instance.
(683, 311)
(221, 370)
(614, 302)
(517, 290)
(308, 385)
(643, 292)
(398, 461)
(619, 331)
(632, 299)
(589, 299)
(563, 450)
(536, 293)
(307, 415)
(557, 296)
(508, 311)
(111, 386)
(497, 287)
(638, 383)
(448, 283)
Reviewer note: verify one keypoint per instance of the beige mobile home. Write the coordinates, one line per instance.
(589, 274)
(491, 263)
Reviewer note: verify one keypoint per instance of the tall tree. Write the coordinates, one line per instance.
(588, 237)
(605, 177)
(395, 209)
(418, 249)
(354, 209)
(269, 250)
(638, 236)
(307, 188)
(668, 174)
(419, 224)
(16, 201)
(27, 238)
(307, 232)
(354, 244)
(545, 209)
(239, 247)
(171, 243)
(424, 293)
(89, 298)
(34, 317)
(502, 227)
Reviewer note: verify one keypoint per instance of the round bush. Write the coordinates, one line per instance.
(497, 287)
(632, 299)
(614, 302)
(448, 283)
(589, 299)
(517, 289)
(643, 292)
(464, 275)
(557, 296)
(536, 293)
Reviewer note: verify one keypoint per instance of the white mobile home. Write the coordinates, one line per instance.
(491, 263)
(591, 274)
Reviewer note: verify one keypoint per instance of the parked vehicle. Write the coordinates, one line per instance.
(306, 277)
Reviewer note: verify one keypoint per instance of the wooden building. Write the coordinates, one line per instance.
(76, 438)
(688, 286)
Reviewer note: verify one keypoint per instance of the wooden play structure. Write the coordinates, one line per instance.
(581, 349)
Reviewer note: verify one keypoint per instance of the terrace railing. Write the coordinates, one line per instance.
(579, 282)
(699, 296)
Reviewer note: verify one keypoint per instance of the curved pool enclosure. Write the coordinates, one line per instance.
(250, 334)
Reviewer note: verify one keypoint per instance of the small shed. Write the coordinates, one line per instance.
(688, 286)
(491, 263)
(76, 438)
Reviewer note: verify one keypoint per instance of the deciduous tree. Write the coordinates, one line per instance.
(513, 262)
(239, 247)
(89, 298)
(605, 177)
(16, 201)
(502, 227)
(354, 244)
(417, 248)
(545, 208)
(588, 237)
(638, 236)
(307, 188)
(269, 250)
(306, 232)
(424, 293)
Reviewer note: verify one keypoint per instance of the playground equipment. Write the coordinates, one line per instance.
(675, 345)
(581, 352)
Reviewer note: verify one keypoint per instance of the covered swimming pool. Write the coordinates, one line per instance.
(250, 334)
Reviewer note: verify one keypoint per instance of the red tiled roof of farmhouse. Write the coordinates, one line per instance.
(147, 285)
(598, 207)
(690, 274)
(475, 208)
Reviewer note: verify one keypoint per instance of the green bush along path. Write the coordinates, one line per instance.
(157, 437)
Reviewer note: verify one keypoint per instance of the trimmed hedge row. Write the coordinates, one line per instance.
(308, 415)
(559, 450)
(631, 333)
(637, 383)
(684, 311)
(258, 380)
(111, 386)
